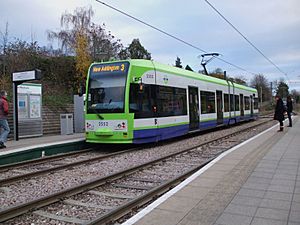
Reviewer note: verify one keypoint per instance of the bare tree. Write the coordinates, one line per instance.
(3, 61)
(72, 24)
(103, 46)
(4, 37)
(260, 82)
(86, 40)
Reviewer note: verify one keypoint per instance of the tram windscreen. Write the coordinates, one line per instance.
(106, 92)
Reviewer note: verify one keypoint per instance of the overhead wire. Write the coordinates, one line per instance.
(240, 33)
(170, 35)
(149, 25)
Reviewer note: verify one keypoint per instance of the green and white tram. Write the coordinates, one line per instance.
(140, 101)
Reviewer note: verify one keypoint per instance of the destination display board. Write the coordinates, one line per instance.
(110, 68)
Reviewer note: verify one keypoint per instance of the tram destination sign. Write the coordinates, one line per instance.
(27, 75)
(115, 68)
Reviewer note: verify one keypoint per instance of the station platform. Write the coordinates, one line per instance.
(24, 144)
(254, 183)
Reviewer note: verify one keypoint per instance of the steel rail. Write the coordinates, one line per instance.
(41, 160)
(14, 211)
(61, 167)
(49, 158)
(57, 168)
(145, 198)
(25, 207)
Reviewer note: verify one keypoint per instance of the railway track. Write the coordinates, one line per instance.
(118, 194)
(9, 170)
(42, 166)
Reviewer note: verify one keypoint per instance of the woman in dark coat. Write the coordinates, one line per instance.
(279, 111)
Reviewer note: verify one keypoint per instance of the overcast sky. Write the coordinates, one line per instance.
(272, 26)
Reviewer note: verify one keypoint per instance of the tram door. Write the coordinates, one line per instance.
(219, 107)
(194, 108)
(242, 104)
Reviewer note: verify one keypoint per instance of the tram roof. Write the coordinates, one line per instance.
(182, 72)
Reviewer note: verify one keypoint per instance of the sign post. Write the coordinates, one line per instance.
(18, 78)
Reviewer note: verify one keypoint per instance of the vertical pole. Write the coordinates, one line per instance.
(271, 86)
(261, 96)
(16, 119)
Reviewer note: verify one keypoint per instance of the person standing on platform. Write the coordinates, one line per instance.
(3, 119)
(279, 111)
(289, 106)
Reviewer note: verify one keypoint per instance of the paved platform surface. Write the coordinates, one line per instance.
(28, 143)
(257, 183)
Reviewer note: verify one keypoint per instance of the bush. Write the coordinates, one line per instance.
(58, 100)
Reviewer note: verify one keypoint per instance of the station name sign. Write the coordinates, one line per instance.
(26, 75)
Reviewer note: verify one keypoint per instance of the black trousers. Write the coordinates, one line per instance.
(281, 123)
(290, 118)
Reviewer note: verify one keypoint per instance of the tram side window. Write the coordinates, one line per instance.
(226, 103)
(208, 102)
(180, 102)
(231, 103)
(255, 103)
(171, 101)
(141, 102)
(237, 103)
(247, 103)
